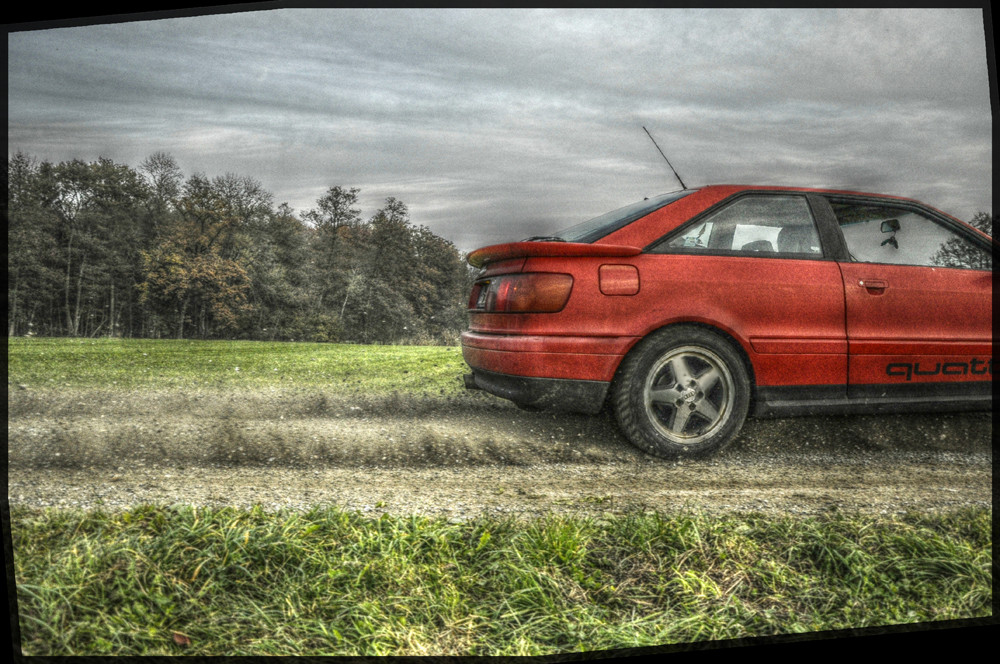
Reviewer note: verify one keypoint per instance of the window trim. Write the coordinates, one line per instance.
(826, 238)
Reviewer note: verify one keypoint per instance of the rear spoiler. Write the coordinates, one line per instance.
(500, 252)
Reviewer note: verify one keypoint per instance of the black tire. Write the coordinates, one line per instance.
(683, 391)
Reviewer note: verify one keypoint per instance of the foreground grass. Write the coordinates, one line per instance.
(167, 364)
(158, 580)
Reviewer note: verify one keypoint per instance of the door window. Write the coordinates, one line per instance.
(899, 236)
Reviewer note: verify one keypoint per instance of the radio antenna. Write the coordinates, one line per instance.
(665, 158)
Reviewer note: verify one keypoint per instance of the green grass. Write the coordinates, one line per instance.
(230, 582)
(169, 364)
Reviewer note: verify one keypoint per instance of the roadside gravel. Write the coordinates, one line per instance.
(461, 456)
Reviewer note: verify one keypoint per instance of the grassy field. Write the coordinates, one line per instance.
(165, 580)
(170, 364)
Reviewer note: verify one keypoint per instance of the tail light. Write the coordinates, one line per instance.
(521, 293)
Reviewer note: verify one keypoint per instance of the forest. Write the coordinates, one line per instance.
(104, 249)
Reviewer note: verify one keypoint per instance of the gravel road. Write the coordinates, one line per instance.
(461, 456)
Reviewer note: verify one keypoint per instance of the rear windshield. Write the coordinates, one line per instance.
(598, 227)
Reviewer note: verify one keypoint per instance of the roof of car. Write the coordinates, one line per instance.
(736, 188)
(820, 190)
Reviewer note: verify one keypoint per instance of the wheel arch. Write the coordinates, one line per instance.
(726, 334)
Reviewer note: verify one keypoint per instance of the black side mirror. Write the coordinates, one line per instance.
(890, 225)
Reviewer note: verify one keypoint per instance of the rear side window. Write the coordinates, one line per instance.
(765, 224)
(902, 236)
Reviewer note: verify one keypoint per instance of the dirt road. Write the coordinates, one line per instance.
(464, 455)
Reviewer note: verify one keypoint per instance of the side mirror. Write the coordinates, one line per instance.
(890, 225)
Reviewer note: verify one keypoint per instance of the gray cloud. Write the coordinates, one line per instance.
(496, 124)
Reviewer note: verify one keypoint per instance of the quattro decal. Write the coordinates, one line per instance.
(908, 370)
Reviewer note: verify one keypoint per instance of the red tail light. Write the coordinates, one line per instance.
(522, 293)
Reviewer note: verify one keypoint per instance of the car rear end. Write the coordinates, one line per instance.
(543, 331)
(549, 317)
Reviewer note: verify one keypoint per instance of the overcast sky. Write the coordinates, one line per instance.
(492, 125)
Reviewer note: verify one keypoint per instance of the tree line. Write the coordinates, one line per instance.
(103, 249)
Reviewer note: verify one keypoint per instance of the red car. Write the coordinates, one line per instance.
(689, 311)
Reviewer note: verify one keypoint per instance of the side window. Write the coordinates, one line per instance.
(760, 224)
(900, 236)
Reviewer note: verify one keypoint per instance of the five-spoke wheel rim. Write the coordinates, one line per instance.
(689, 394)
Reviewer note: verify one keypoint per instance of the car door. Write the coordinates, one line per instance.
(918, 297)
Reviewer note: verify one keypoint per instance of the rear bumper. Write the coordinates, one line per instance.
(581, 396)
(539, 356)
(560, 372)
